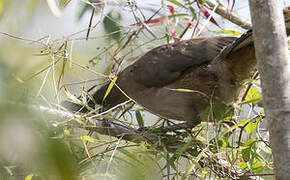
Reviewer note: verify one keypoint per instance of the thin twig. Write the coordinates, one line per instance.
(90, 24)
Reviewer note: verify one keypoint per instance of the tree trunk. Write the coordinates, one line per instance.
(274, 67)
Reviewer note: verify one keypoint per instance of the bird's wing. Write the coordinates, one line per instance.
(165, 64)
(245, 40)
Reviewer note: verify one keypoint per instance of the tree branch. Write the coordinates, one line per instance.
(106, 126)
(274, 67)
(229, 14)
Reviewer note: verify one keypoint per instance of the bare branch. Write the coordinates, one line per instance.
(229, 14)
(273, 63)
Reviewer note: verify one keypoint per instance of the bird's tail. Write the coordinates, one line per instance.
(247, 38)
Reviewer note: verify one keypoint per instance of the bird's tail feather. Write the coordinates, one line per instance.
(247, 38)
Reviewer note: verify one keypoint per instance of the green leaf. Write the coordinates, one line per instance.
(1, 7)
(250, 142)
(252, 101)
(193, 12)
(221, 111)
(176, 3)
(67, 132)
(257, 167)
(111, 85)
(241, 123)
(247, 153)
(253, 96)
(243, 165)
(63, 3)
(8, 169)
(203, 174)
(233, 33)
(250, 128)
(222, 142)
(139, 118)
(89, 96)
(177, 15)
(87, 138)
(30, 176)
(111, 25)
(80, 121)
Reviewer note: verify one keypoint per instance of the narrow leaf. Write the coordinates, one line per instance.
(30, 176)
(155, 21)
(139, 118)
(1, 7)
(64, 3)
(193, 13)
(233, 33)
(241, 123)
(111, 85)
(176, 3)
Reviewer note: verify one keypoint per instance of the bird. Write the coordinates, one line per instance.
(180, 80)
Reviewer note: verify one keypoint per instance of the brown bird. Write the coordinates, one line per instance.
(179, 80)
